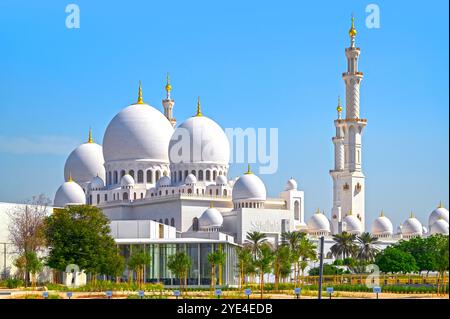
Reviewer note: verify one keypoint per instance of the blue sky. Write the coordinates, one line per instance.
(254, 64)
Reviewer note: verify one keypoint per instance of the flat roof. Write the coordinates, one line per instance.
(170, 241)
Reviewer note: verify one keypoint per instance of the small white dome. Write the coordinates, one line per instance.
(291, 185)
(318, 223)
(412, 227)
(163, 182)
(97, 183)
(249, 187)
(139, 131)
(221, 180)
(440, 212)
(354, 225)
(127, 181)
(190, 179)
(85, 162)
(211, 218)
(69, 193)
(382, 226)
(207, 140)
(439, 227)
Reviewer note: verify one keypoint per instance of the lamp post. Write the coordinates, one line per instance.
(321, 266)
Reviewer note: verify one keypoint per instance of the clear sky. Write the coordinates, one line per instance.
(255, 64)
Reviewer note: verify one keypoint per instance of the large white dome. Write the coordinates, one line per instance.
(206, 142)
(85, 162)
(69, 193)
(354, 225)
(412, 227)
(139, 131)
(439, 227)
(210, 218)
(382, 226)
(318, 223)
(440, 212)
(249, 187)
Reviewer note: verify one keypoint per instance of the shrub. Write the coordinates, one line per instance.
(12, 283)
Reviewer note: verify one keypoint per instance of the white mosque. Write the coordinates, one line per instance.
(165, 186)
(142, 173)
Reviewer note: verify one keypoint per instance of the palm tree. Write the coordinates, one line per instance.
(137, 262)
(281, 263)
(292, 238)
(367, 247)
(263, 264)
(180, 264)
(216, 258)
(307, 251)
(254, 241)
(344, 245)
(245, 263)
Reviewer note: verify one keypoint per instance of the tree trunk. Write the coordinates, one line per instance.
(261, 283)
(213, 277)
(277, 278)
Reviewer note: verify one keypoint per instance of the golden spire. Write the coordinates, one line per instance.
(168, 86)
(411, 215)
(382, 213)
(318, 211)
(90, 140)
(70, 177)
(440, 205)
(350, 212)
(199, 110)
(339, 106)
(352, 31)
(140, 100)
(249, 170)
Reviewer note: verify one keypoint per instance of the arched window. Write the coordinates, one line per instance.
(217, 192)
(125, 196)
(90, 200)
(116, 177)
(186, 173)
(197, 191)
(167, 192)
(210, 191)
(161, 221)
(195, 224)
(98, 198)
(149, 176)
(225, 192)
(214, 175)
(220, 172)
(172, 222)
(106, 197)
(109, 182)
(142, 195)
(180, 176)
(194, 172)
(297, 210)
(135, 196)
(173, 191)
(158, 175)
(208, 175)
(114, 196)
(160, 193)
(122, 173)
(189, 191)
(166, 221)
(140, 176)
(200, 175)
(203, 192)
(131, 172)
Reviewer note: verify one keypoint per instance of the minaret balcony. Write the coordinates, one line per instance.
(352, 49)
(358, 73)
(353, 120)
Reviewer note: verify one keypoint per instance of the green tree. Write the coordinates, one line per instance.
(423, 250)
(394, 260)
(216, 259)
(328, 270)
(255, 240)
(307, 251)
(244, 263)
(441, 252)
(79, 235)
(344, 245)
(368, 248)
(263, 264)
(180, 264)
(281, 264)
(292, 239)
(137, 261)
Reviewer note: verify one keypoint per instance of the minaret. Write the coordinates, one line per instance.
(168, 103)
(347, 175)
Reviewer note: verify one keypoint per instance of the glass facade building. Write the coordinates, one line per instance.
(200, 272)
